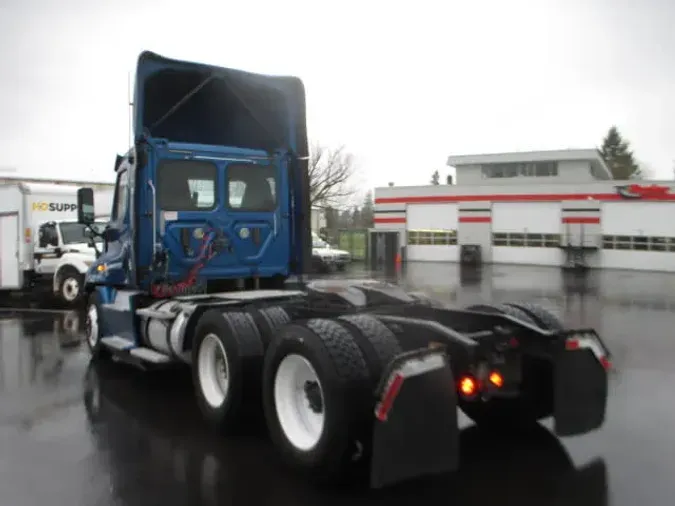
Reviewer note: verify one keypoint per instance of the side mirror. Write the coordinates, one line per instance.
(85, 206)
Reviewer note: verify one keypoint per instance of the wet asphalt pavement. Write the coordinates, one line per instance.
(141, 441)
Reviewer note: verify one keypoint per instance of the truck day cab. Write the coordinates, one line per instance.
(42, 242)
(203, 265)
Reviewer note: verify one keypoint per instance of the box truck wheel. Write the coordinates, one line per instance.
(316, 398)
(70, 285)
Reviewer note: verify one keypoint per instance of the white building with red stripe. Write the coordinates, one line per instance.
(537, 208)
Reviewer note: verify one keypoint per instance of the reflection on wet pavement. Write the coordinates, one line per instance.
(72, 432)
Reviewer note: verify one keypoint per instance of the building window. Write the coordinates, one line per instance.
(517, 240)
(638, 243)
(432, 237)
(533, 169)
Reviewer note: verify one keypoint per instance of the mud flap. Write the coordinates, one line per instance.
(580, 384)
(416, 429)
(587, 485)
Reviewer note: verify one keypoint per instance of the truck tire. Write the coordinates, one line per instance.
(92, 328)
(316, 398)
(424, 299)
(71, 284)
(227, 354)
(376, 341)
(536, 399)
(506, 309)
(542, 317)
(269, 320)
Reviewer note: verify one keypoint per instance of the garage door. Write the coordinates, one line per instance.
(638, 218)
(526, 233)
(524, 217)
(432, 232)
(432, 216)
(638, 235)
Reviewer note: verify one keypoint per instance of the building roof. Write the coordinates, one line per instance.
(560, 155)
(60, 182)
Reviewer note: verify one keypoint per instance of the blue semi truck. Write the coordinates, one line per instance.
(203, 265)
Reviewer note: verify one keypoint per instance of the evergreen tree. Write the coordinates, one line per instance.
(368, 211)
(618, 156)
(435, 178)
(356, 217)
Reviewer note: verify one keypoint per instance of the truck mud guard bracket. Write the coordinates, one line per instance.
(416, 429)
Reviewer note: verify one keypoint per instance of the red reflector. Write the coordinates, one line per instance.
(572, 344)
(513, 342)
(606, 363)
(388, 398)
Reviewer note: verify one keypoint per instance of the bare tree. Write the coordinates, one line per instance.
(331, 173)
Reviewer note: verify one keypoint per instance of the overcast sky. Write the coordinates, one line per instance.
(401, 84)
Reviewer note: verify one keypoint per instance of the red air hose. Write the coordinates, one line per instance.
(164, 290)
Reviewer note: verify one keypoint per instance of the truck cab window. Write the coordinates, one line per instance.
(48, 235)
(252, 187)
(186, 185)
(121, 195)
(76, 233)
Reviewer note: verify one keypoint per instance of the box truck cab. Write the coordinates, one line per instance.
(41, 241)
(77, 250)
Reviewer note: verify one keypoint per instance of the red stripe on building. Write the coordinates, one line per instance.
(581, 219)
(475, 219)
(389, 220)
(543, 197)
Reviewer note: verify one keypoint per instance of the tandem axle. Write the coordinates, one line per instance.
(361, 368)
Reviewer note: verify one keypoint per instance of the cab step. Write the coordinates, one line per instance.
(148, 355)
(154, 313)
(118, 343)
(140, 352)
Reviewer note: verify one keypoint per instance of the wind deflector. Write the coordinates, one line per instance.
(203, 104)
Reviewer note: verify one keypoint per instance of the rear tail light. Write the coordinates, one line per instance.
(468, 386)
(496, 379)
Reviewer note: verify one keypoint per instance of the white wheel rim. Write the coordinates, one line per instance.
(301, 423)
(71, 289)
(213, 370)
(92, 325)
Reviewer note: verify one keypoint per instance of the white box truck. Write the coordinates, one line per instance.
(40, 239)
